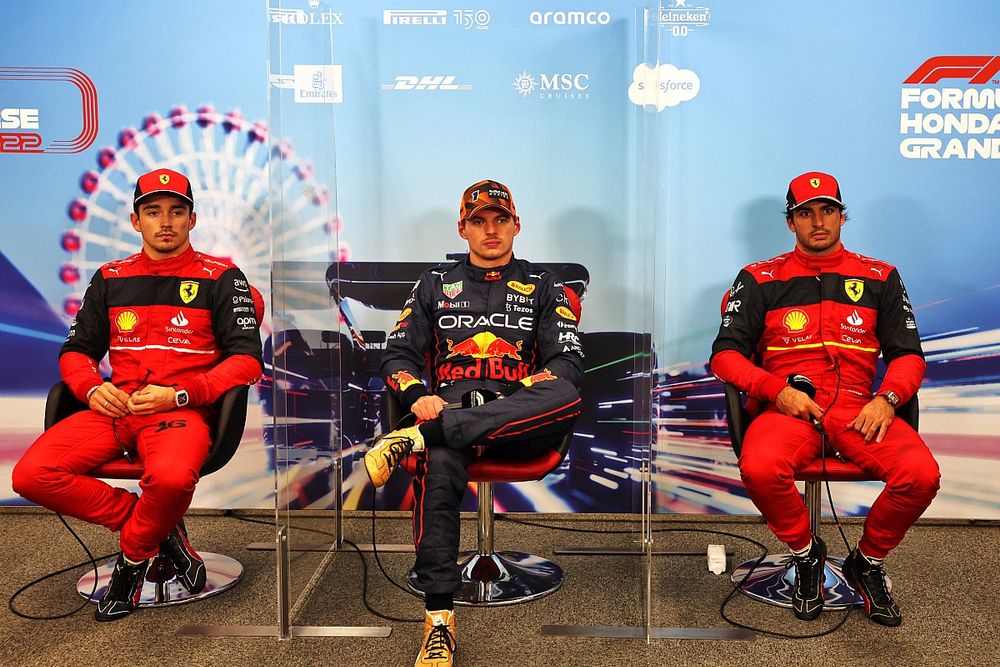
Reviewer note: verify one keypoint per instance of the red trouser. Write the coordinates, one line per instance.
(777, 445)
(172, 447)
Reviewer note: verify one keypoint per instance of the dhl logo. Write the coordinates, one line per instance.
(482, 345)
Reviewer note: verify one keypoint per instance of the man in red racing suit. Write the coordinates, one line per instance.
(180, 328)
(488, 322)
(823, 313)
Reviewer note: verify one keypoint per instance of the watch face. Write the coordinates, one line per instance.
(892, 398)
(181, 398)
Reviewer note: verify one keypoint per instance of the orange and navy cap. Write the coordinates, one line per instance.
(812, 185)
(163, 181)
(486, 194)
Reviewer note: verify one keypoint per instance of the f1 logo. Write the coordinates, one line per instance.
(976, 69)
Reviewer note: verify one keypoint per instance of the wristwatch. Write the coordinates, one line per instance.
(891, 397)
(181, 398)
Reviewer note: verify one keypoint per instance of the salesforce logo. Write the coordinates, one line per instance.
(569, 18)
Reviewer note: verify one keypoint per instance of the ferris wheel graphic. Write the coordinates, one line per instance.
(226, 159)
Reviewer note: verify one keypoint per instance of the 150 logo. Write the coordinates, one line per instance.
(28, 129)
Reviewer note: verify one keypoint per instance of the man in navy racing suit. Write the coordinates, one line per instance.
(492, 322)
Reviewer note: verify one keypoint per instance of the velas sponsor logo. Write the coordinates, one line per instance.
(795, 320)
(680, 19)
(663, 85)
(949, 109)
(521, 287)
(565, 313)
(318, 84)
(126, 321)
(414, 16)
(288, 16)
(188, 290)
(414, 82)
(484, 344)
(42, 120)
(553, 85)
(451, 290)
(572, 17)
(854, 289)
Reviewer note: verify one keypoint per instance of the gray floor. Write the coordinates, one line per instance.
(946, 600)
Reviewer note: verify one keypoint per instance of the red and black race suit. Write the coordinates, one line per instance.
(827, 318)
(492, 326)
(188, 321)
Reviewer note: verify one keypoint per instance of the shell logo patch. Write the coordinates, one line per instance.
(795, 320)
(126, 321)
(566, 313)
(521, 287)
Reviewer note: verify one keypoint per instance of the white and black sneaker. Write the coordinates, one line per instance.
(188, 565)
(123, 593)
(807, 597)
(870, 582)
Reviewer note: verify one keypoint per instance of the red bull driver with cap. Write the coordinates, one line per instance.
(488, 322)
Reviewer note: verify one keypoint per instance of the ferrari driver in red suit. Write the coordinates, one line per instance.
(180, 328)
(825, 314)
(491, 322)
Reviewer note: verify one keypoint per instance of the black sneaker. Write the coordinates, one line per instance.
(871, 584)
(187, 563)
(123, 593)
(807, 598)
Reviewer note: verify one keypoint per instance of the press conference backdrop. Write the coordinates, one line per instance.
(898, 99)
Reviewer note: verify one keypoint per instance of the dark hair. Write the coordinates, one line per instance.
(843, 211)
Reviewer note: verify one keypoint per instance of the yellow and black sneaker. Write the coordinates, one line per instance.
(389, 450)
(439, 639)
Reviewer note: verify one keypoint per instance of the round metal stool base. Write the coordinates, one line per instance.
(503, 577)
(773, 580)
(222, 573)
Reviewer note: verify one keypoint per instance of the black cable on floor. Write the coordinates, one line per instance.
(364, 566)
(736, 587)
(91, 560)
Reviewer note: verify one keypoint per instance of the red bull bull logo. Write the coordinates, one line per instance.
(403, 380)
(544, 375)
(484, 344)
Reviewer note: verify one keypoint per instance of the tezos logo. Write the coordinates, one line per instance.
(24, 128)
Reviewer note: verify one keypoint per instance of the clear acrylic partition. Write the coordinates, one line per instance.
(689, 444)
(303, 351)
